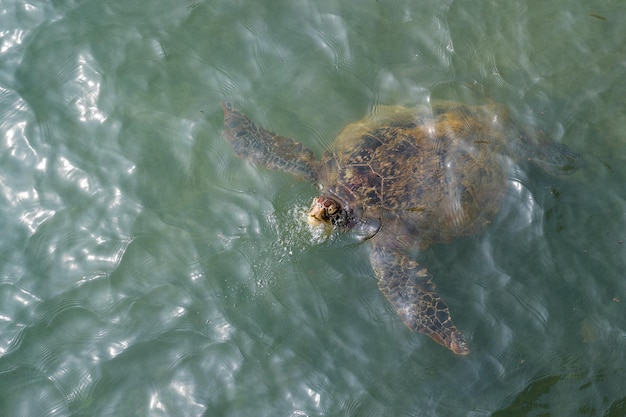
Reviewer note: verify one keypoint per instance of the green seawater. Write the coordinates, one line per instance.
(145, 270)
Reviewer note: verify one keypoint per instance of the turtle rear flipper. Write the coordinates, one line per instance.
(266, 148)
(555, 158)
(409, 288)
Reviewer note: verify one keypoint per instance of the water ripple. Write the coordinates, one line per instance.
(330, 33)
(49, 401)
(17, 307)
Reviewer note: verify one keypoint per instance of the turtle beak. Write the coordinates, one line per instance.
(317, 214)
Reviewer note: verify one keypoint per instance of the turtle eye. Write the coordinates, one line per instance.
(331, 207)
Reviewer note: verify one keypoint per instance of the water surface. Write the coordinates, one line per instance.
(146, 270)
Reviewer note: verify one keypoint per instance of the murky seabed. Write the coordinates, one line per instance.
(148, 271)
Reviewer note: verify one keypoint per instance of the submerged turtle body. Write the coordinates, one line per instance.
(410, 176)
(440, 173)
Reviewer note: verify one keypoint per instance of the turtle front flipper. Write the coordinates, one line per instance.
(409, 288)
(266, 148)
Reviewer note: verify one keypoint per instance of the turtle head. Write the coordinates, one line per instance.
(328, 211)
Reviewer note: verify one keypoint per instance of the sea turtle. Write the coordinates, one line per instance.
(409, 176)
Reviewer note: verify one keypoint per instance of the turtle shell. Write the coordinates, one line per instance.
(442, 170)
